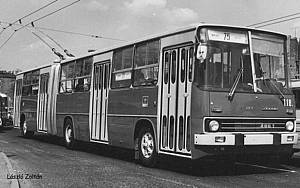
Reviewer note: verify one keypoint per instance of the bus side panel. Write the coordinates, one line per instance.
(149, 96)
(29, 109)
(119, 118)
(200, 108)
(75, 105)
(125, 109)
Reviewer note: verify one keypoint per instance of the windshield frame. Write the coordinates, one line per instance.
(200, 40)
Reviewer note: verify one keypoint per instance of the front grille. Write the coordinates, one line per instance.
(250, 125)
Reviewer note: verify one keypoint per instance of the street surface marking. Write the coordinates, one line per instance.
(176, 182)
(3, 142)
(271, 168)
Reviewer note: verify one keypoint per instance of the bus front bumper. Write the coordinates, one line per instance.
(217, 139)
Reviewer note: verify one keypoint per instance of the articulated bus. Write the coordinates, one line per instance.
(203, 90)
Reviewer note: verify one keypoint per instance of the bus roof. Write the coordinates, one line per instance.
(165, 34)
(36, 68)
(152, 37)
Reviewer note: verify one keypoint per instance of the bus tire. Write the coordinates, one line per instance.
(147, 154)
(24, 130)
(69, 134)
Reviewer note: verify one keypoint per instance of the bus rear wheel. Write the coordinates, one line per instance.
(69, 134)
(147, 154)
(24, 130)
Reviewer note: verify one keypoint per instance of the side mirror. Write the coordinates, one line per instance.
(201, 53)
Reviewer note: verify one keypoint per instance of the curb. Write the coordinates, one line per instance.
(14, 182)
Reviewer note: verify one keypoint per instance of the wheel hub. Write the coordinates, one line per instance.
(68, 134)
(147, 145)
(24, 128)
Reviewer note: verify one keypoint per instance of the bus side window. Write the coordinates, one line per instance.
(67, 77)
(146, 63)
(83, 68)
(122, 68)
(31, 83)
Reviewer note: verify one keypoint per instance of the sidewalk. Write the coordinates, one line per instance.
(5, 170)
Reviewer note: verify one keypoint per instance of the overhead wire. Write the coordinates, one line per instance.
(10, 36)
(58, 44)
(74, 33)
(49, 14)
(23, 26)
(278, 22)
(27, 15)
(82, 34)
(47, 44)
(274, 19)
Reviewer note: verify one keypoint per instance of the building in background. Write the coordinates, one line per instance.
(7, 85)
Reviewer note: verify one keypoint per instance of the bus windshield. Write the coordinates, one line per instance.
(224, 60)
(227, 61)
(268, 54)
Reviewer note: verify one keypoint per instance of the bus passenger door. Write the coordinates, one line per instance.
(17, 103)
(176, 83)
(99, 94)
(42, 102)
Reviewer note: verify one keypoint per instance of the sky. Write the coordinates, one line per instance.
(122, 19)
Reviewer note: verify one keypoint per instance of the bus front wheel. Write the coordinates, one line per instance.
(69, 134)
(147, 154)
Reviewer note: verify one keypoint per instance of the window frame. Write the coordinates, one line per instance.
(145, 64)
(31, 79)
(125, 83)
(86, 74)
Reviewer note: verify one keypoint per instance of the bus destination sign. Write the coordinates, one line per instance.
(227, 36)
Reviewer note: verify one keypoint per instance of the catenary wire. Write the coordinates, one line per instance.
(274, 19)
(27, 15)
(278, 22)
(36, 20)
(10, 36)
(71, 32)
(49, 14)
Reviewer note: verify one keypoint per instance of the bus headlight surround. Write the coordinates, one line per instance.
(213, 125)
(289, 125)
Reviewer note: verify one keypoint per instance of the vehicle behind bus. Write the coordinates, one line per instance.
(5, 115)
(206, 90)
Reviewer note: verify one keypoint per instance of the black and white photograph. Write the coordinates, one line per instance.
(149, 93)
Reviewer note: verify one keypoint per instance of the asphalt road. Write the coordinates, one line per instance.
(96, 166)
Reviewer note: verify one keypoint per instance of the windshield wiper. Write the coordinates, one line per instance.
(282, 96)
(234, 85)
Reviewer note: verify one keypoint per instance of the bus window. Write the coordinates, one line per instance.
(222, 65)
(76, 76)
(26, 90)
(166, 67)
(173, 67)
(66, 78)
(122, 67)
(31, 83)
(146, 64)
(191, 57)
(183, 63)
(79, 68)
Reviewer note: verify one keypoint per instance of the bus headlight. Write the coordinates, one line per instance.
(213, 125)
(289, 125)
